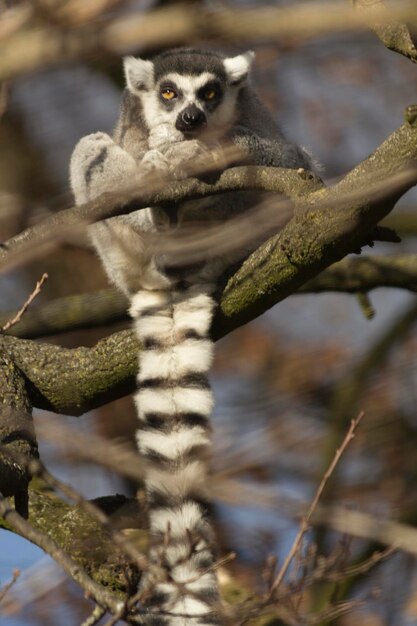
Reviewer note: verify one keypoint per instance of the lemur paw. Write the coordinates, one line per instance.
(154, 161)
(189, 157)
(161, 137)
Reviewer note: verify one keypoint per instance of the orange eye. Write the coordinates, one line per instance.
(168, 94)
(210, 94)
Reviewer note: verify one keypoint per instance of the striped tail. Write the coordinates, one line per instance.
(174, 403)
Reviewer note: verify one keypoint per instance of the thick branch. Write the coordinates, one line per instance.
(327, 225)
(74, 381)
(395, 36)
(364, 274)
(34, 240)
(77, 543)
(16, 434)
(108, 306)
(73, 312)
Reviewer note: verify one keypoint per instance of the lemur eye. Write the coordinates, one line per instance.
(210, 94)
(168, 93)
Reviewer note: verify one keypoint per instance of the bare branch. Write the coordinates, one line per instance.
(327, 224)
(307, 518)
(8, 586)
(95, 617)
(107, 306)
(117, 456)
(367, 526)
(292, 183)
(395, 35)
(26, 45)
(71, 567)
(16, 319)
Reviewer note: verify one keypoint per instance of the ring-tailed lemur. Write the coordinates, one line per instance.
(174, 109)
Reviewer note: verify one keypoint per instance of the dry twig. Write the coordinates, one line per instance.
(8, 586)
(306, 519)
(26, 305)
(95, 616)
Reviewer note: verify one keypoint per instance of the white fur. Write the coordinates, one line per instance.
(179, 399)
(189, 479)
(194, 312)
(179, 553)
(186, 517)
(139, 74)
(156, 326)
(173, 445)
(175, 361)
(181, 605)
(144, 300)
(185, 573)
(189, 605)
(197, 582)
(237, 68)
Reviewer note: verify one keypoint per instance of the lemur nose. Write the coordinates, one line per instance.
(193, 117)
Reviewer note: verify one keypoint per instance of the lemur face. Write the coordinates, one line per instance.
(193, 91)
(192, 103)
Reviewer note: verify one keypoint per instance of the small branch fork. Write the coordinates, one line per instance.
(305, 522)
(16, 319)
(71, 567)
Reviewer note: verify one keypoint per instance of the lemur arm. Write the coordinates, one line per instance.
(275, 152)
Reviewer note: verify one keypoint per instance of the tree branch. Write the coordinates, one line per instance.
(327, 225)
(26, 44)
(108, 306)
(353, 275)
(395, 36)
(60, 551)
(75, 381)
(290, 182)
(17, 434)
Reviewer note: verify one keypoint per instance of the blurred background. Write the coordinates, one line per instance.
(287, 385)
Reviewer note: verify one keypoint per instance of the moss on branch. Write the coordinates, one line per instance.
(79, 536)
(75, 381)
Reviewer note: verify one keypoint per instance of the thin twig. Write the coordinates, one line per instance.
(306, 519)
(8, 586)
(115, 618)
(95, 616)
(26, 305)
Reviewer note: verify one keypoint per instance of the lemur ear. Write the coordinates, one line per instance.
(139, 74)
(237, 68)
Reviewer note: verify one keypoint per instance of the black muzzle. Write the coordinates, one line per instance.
(191, 118)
